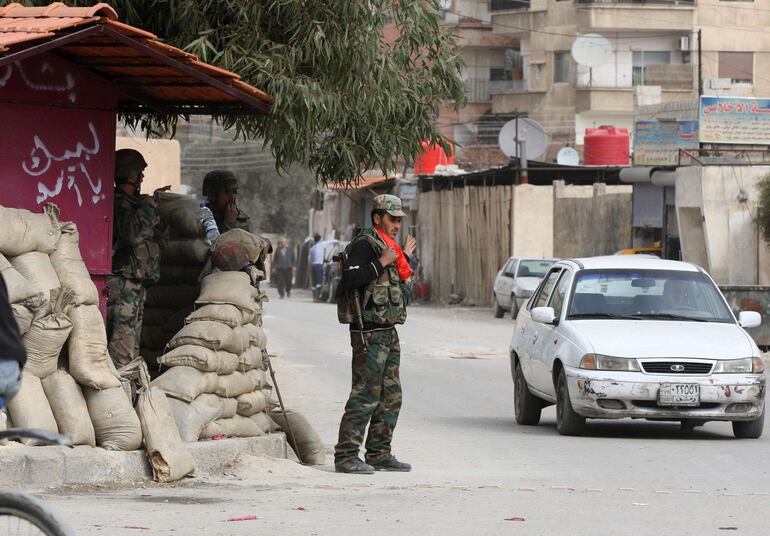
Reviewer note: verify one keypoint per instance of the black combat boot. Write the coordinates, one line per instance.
(354, 466)
(391, 464)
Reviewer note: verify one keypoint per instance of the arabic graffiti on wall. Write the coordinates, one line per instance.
(41, 76)
(737, 120)
(657, 143)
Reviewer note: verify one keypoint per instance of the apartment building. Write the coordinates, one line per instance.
(654, 58)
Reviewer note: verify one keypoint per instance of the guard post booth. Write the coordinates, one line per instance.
(65, 75)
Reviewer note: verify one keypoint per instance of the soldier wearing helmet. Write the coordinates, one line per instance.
(138, 236)
(221, 188)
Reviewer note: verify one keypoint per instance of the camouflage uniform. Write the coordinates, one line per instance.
(137, 238)
(375, 396)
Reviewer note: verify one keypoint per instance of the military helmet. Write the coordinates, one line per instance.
(219, 180)
(235, 249)
(128, 163)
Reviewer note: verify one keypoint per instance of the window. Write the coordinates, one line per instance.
(557, 301)
(737, 66)
(501, 5)
(564, 70)
(533, 268)
(547, 287)
(497, 74)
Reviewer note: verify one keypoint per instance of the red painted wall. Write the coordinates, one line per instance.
(57, 145)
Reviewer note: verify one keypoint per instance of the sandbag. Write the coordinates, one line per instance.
(191, 417)
(116, 424)
(171, 296)
(213, 335)
(23, 316)
(180, 212)
(172, 274)
(70, 268)
(254, 402)
(177, 321)
(186, 383)
(44, 341)
(36, 268)
(226, 407)
(30, 408)
(234, 427)
(264, 422)
(169, 457)
(20, 290)
(304, 440)
(224, 313)
(253, 358)
(69, 408)
(232, 288)
(22, 231)
(238, 383)
(200, 358)
(156, 316)
(256, 336)
(185, 252)
(89, 360)
(154, 337)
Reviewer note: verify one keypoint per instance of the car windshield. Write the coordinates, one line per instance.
(533, 268)
(647, 295)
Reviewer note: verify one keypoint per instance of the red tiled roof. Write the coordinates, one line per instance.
(363, 183)
(147, 70)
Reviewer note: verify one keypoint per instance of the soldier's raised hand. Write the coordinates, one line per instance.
(410, 246)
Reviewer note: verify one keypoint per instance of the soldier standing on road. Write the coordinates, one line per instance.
(221, 188)
(379, 270)
(137, 238)
(283, 267)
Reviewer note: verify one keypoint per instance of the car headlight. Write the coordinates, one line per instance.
(522, 293)
(749, 365)
(605, 362)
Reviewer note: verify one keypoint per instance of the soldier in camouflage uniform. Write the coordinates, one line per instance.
(376, 271)
(138, 235)
(221, 188)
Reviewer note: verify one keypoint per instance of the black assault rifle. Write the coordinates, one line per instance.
(342, 259)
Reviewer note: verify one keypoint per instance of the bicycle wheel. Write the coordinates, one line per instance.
(22, 514)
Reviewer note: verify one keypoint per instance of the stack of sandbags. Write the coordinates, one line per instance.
(217, 379)
(182, 260)
(68, 384)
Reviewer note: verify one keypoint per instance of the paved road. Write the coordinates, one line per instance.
(474, 467)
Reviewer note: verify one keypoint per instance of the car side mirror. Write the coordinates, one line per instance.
(749, 319)
(544, 315)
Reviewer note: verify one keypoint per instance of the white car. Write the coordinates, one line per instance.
(516, 281)
(639, 337)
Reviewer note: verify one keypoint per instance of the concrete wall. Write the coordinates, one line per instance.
(591, 220)
(532, 221)
(715, 208)
(163, 161)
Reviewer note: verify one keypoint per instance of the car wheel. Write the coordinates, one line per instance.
(499, 311)
(749, 429)
(567, 421)
(527, 406)
(514, 307)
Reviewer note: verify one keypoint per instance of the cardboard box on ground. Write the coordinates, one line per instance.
(209, 335)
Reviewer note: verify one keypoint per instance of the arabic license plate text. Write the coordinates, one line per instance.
(679, 394)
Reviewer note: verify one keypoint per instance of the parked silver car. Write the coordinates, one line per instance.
(516, 281)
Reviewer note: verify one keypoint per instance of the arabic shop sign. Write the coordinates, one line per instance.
(657, 143)
(736, 120)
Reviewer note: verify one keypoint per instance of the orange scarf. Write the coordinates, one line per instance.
(402, 265)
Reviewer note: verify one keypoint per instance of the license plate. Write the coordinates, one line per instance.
(679, 394)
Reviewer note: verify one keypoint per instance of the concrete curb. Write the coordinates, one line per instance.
(39, 468)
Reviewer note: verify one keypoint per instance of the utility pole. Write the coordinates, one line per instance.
(700, 63)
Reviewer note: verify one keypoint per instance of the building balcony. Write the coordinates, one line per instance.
(669, 76)
(656, 15)
(480, 90)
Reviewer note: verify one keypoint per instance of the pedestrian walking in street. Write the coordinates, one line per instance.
(377, 273)
(137, 238)
(315, 258)
(283, 267)
(221, 188)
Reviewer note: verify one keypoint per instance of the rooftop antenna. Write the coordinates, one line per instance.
(591, 50)
(568, 156)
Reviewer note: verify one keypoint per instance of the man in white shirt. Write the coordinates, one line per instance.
(316, 261)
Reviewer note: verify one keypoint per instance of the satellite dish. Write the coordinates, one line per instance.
(591, 50)
(568, 157)
(526, 130)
